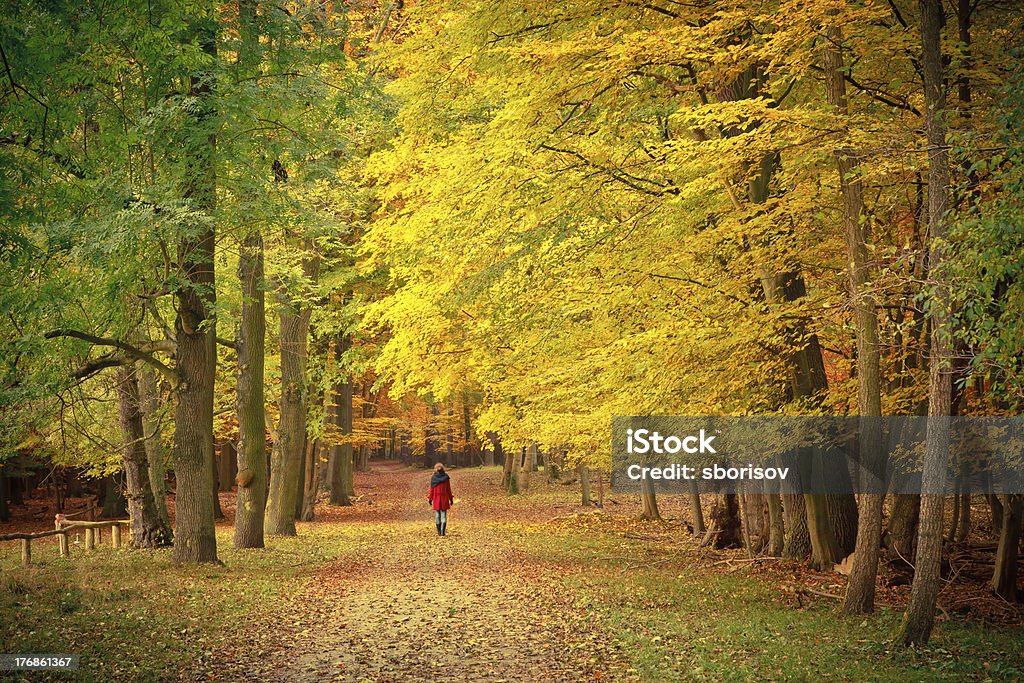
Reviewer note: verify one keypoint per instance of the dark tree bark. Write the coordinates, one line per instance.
(920, 615)
(311, 483)
(300, 494)
(251, 455)
(1004, 576)
(114, 504)
(902, 531)
(227, 466)
(724, 523)
(149, 404)
(147, 529)
(195, 538)
(648, 501)
(696, 511)
(218, 512)
(294, 313)
(584, 473)
(860, 592)
(5, 511)
(341, 454)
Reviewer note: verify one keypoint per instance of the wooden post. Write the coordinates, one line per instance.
(115, 536)
(99, 535)
(62, 539)
(90, 538)
(26, 551)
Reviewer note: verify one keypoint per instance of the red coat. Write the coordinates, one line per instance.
(441, 495)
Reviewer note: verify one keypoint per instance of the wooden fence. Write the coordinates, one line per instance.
(93, 534)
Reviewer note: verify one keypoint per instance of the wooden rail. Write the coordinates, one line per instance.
(93, 532)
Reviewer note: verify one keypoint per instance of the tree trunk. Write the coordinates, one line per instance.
(995, 507)
(860, 593)
(251, 476)
(522, 470)
(341, 454)
(724, 523)
(963, 529)
(154, 445)
(226, 465)
(584, 472)
(696, 511)
(147, 529)
(300, 490)
(648, 501)
(195, 538)
(902, 532)
(5, 511)
(113, 505)
(467, 426)
(776, 526)
(516, 456)
(449, 441)
(797, 541)
(506, 472)
(1004, 576)
(218, 512)
(294, 314)
(311, 482)
(920, 615)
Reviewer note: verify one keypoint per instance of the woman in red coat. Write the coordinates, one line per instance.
(441, 497)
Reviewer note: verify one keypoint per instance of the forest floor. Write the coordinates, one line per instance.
(532, 587)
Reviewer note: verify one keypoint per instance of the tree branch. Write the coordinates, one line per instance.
(131, 351)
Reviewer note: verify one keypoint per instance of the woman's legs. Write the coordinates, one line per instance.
(437, 520)
(443, 516)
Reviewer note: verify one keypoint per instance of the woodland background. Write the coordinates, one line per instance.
(255, 245)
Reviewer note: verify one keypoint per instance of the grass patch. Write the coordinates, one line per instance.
(135, 616)
(683, 622)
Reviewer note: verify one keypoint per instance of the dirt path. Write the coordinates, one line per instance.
(415, 607)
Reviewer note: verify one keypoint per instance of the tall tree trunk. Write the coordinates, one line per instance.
(195, 538)
(294, 313)
(147, 529)
(920, 615)
(341, 454)
(860, 592)
(249, 403)
(797, 540)
(148, 404)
